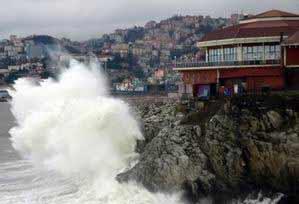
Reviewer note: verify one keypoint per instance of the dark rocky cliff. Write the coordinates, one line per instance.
(231, 146)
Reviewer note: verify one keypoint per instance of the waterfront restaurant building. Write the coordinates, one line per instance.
(260, 52)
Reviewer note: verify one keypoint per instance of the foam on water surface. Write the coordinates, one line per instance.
(77, 139)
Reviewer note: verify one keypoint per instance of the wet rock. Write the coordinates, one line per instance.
(237, 147)
(293, 138)
(170, 159)
(153, 119)
(275, 119)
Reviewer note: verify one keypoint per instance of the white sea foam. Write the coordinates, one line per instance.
(78, 139)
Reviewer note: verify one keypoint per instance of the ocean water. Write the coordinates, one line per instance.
(65, 141)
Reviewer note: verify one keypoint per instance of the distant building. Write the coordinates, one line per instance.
(118, 38)
(14, 68)
(260, 52)
(4, 71)
(130, 85)
(150, 25)
(122, 49)
(159, 74)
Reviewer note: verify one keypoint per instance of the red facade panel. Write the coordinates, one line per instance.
(250, 72)
(293, 56)
(256, 83)
(200, 77)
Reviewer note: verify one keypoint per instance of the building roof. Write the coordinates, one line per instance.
(268, 28)
(293, 39)
(258, 29)
(274, 13)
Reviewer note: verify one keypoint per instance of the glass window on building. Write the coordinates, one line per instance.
(247, 53)
(258, 53)
(278, 52)
(230, 54)
(253, 53)
(272, 52)
(215, 55)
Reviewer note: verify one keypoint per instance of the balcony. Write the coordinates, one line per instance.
(225, 64)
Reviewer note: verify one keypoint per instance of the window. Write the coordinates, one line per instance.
(253, 53)
(215, 55)
(247, 53)
(230, 54)
(258, 53)
(272, 52)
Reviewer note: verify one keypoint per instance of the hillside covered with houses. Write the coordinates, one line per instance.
(133, 57)
(155, 45)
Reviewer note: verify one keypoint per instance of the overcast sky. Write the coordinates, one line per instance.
(84, 19)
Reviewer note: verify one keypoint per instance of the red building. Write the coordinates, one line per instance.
(261, 51)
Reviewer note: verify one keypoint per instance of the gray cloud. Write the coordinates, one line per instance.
(82, 19)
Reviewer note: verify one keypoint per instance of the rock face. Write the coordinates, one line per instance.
(171, 155)
(244, 146)
(154, 118)
(170, 159)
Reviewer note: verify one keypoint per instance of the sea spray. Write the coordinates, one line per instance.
(73, 127)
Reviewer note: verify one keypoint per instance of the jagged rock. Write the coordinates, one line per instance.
(170, 159)
(234, 148)
(293, 138)
(154, 118)
(275, 119)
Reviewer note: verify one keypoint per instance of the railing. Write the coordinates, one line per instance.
(225, 63)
